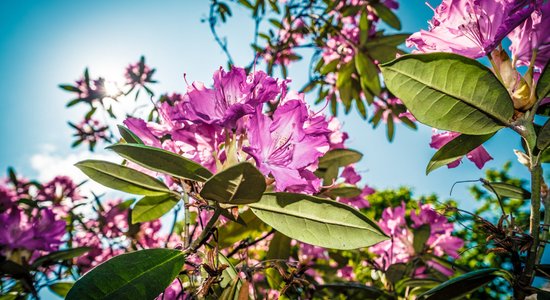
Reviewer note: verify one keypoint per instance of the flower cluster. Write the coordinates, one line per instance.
(30, 220)
(90, 131)
(227, 123)
(400, 248)
(100, 93)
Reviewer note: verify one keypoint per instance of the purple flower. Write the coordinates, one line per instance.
(400, 249)
(532, 35)
(41, 232)
(281, 146)
(234, 95)
(479, 156)
(471, 28)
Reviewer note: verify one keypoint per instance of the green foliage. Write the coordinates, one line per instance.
(463, 285)
(128, 135)
(61, 288)
(150, 208)
(122, 178)
(162, 161)
(472, 101)
(137, 275)
(329, 224)
(239, 184)
(543, 85)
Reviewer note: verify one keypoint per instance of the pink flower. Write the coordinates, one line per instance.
(233, 96)
(139, 73)
(282, 147)
(472, 28)
(479, 156)
(39, 232)
(532, 35)
(400, 249)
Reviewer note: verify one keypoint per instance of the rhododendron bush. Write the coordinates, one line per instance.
(240, 187)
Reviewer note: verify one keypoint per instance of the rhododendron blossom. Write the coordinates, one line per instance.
(479, 156)
(471, 28)
(285, 143)
(532, 35)
(399, 249)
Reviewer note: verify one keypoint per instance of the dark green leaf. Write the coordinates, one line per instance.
(69, 88)
(368, 72)
(122, 178)
(128, 135)
(344, 191)
(153, 207)
(421, 236)
(352, 290)
(61, 288)
(162, 161)
(340, 158)
(543, 84)
(450, 92)
(279, 247)
(507, 190)
(396, 272)
(543, 138)
(57, 256)
(142, 274)
(387, 15)
(463, 285)
(234, 232)
(455, 149)
(329, 224)
(239, 184)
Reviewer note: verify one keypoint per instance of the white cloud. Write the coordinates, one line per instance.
(48, 163)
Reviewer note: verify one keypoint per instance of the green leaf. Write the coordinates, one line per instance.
(368, 72)
(543, 138)
(128, 135)
(352, 290)
(420, 237)
(57, 256)
(387, 15)
(340, 158)
(61, 288)
(463, 285)
(153, 207)
(344, 191)
(162, 161)
(142, 274)
(507, 190)
(543, 85)
(239, 184)
(317, 221)
(456, 149)
(122, 178)
(69, 88)
(393, 40)
(396, 272)
(450, 92)
(279, 247)
(234, 232)
(228, 274)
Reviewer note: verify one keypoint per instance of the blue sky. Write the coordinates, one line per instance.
(44, 43)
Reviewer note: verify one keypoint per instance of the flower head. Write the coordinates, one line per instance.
(471, 28)
(532, 35)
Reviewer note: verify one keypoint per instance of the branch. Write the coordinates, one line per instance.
(212, 22)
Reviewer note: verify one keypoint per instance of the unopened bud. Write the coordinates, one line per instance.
(522, 158)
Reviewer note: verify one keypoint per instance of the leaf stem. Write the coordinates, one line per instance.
(534, 222)
(207, 231)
